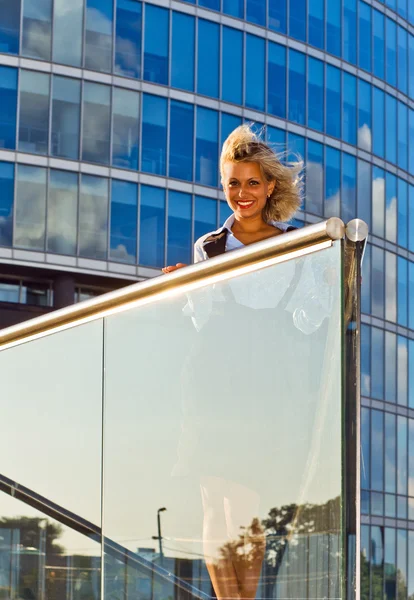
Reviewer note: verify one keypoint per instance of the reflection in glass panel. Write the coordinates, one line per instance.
(365, 559)
(332, 182)
(62, 212)
(276, 75)
(402, 455)
(98, 35)
(411, 63)
(9, 26)
(411, 391)
(277, 15)
(125, 115)
(156, 44)
(297, 86)
(366, 281)
(123, 219)
(333, 27)
(295, 147)
(402, 295)
(411, 217)
(377, 373)
(390, 452)
(213, 4)
(377, 557)
(179, 228)
(232, 66)
(297, 19)
(411, 139)
(391, 128)
(228, 123)
(235, 8)
(350, 31)
(390, 286)
(208, 58)
(402, 229)
(37, 28)
(377, 503)
(6, 203)
(378, 282)
(224, 213)
(256, 11)
(205, 216)
(378, 201)
(349, 99)
(93, 217)
(364, 34)
(364, 115)
(402, 370)
(348, 194)
(154, 134)
(390, 367)
(314, 178)
(96, 122)
(34, 112)
(402, 136)
(390, 509)
(390, 207)
(128, 43)
(402, 538)
(364, 191)
(365, 441)
(365, 502)
(35, 294)
(315, 94)
(333, 101)
(29, 226)
(277, 137)
(378, 53)
(8, 103)
(378, 122)
(402, 59)
(68, 32)
(377, 436)
(182, 51)
(316, 36)
(207, 146)
(152, 226)
(390, 571)
(411, 295)
(391, 52)
(181, 140)
(401, 507)
(66, 97)
(9, 292)
(411, 464)
(255, 72)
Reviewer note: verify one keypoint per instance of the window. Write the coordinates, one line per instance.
(29, 226)
(402, 291)
(277, 16)
(228, 124)
(378, 202)
(128, 38)
(391, 52)
(402, 455)
(152, 226)
(316, 23)
(377, 440)
(277, 137)
(333, 27)
(125, 128)
(402, 59)
(93, 217)
(255, 72)
(205, 217)
(391, 287)
(402, 370)
(96, 122)
(411, 299)
(66, 95)
(402, 228)
(62, 212)
(6, 203)
(183, 51)
(276, 86)
(232, 68)
(154, 134)
(391, 128)
(411, 396)
(235, 8)
(366, 281)
(8, 103)
(207, 146)
(333, 101)
(390, 452)
(378, 53)
(208, 58)
(98, 35)
(225, 212)
(315, 94)
(365, 36)
(37, 28)
(411, 140)
(213, 4)
(123, 236)
(350, 35)
(391, 207)
(364, 191)
(179, 228)
(378, 283)
(9, 26)
(349, 108)
(68, 32)
(332, 182)
(297, 19)
(314, 178)
(411, 217)
(378, 120)
(348, 194)
(181, 140)
(364, 115)
(9, 291)
(411, 64)
(156, 44)
(366, 391)
(402, 136)
(256, 11)
(297, 86)
(34, 112)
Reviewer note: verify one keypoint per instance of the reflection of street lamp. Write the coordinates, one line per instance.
(159, 537)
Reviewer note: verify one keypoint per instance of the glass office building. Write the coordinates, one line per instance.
(112, 117)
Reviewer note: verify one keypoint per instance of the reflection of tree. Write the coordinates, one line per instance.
(30, 528)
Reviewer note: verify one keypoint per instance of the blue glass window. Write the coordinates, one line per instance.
(179, 228)
(232, 67)
(205, 217)
(402, 59)
(411, 13)
(402, 460)
(224, 212)
(98, 35)
(377, 432)
(213, 4)
(154, 134)
(96, 122)
(6, 203)
(332, 182)
(366, 282)
(123, 236)
(378, 53)
(390, 452)
(228, 124)
(278, 15)
(364, 115)
(208, 58)
(8, 103)
(125, 111)
(391, 52)
(333, 27)
(402, 8)
(391, 128)
(402, 291)
(93, 217)
(366, 391)
(350, 31)
(156, 44)
(411, 385)
(152, 226)
(277, 137)
(66, 97)
(128, 38)
(297, 19)
(364, 34)
(207, 146)
(402, 370)
(182, 51)
(315, 94)
(391, 3)
(411, 140)
(411, 65)
(255, 72)
(68, 32)
(378, 202)
(378, 121)
(378, 287)
(295, 147)
(391, 287)
(37, 29)
(34, 112)
(411, 218)
(30, 219)
(181, 141)
(235, 8)
(314, 178)
(390, 368)
(402, 136)
(297, 86)
(276, 76)
(402, 228)
(9, 26)
(62, 212)
(256, 11)
(411, 299)
(333, 101)
(316, 28)
(364, 192)
(348, 194)
(349, 108)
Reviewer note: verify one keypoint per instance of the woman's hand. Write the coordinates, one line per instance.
(173, 268)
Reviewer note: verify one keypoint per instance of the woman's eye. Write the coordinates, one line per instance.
(232, 183)
(254, 183)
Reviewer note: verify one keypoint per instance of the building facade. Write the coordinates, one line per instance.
(112, 117)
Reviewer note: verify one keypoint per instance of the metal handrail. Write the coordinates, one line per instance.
(250, 257)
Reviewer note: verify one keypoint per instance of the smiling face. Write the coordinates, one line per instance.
(246, 188)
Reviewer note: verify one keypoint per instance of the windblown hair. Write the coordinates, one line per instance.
(243, 145)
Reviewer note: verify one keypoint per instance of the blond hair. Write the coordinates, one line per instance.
(243, 145)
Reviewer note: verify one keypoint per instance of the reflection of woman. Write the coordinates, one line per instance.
(263, 194)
